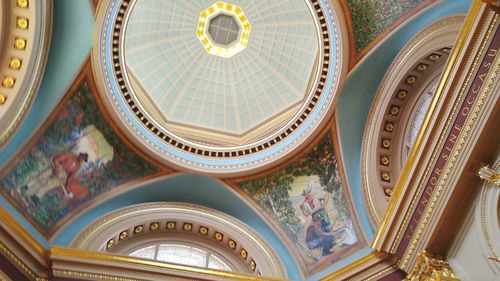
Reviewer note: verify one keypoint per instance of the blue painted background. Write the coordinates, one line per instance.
(71, 42)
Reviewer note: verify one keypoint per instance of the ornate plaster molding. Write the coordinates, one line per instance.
(426, 198)
(417, 65)
(269, 150)
(24, 48)
(430, 268)
(169, 218)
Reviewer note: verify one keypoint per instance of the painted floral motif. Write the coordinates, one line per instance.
(75, 159)
(308, 200)
(371, 17)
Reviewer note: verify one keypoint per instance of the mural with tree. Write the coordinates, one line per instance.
(74, 159)
(308, 200)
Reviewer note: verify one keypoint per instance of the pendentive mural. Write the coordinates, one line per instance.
(310, 202)
(69, 162)
(370, 18)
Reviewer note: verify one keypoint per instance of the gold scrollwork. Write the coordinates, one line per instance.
(429, 268)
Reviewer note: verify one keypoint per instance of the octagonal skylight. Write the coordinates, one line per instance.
(223, 29)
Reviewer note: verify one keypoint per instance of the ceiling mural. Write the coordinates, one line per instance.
(370, 18)
(221, 88)
(311, 204)
(241, 93)
(73, 159)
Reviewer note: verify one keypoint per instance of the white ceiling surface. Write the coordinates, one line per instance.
(233, 95)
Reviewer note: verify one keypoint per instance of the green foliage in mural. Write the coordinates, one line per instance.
(273, 192)
(372, 17)
(79, 127)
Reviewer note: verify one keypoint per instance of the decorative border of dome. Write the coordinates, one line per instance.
(415, 66)
(25, 38)
(108, 63)
(118, 226)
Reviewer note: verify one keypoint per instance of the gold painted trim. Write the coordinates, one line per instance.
(68, 253)
(484, 220)
(466, 130)
(398, 191)
(30, 43)
(353, 266)
(20, 232)
(17, 261)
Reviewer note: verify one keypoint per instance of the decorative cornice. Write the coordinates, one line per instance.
(414, 68)
(26, 45)
(399, 192)
(200, 222)
(444, 149)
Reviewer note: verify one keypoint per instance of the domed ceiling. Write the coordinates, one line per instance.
(243, 90)
(222, 87)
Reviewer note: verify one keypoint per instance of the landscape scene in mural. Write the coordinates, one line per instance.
(76, 158)
(309, 202)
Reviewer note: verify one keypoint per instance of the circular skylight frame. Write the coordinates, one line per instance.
(164, 146)
(209, 44)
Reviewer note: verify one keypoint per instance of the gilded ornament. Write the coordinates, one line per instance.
(154, 226)
(388, 192)
(384, 160)
(170, 225)
(489, 175)
(411, 80)
(187, 227)
(243, 253)
(386, 176)
(389, 127)
(434, 57)
(15, 63)
(138, 229)
(402, 94)
(203, 230)
(394, 110)
(22, 22)
(123, 235)
(20, 43)
(386, 143)
(8, 82)
(231, 244)
(3, 99)
(218, 236)
(446, 50)
(422, 67)
(110, 243)
(429, 268)
(22, 3)
(253, 265)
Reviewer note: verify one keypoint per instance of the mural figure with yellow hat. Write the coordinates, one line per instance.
(314, 206)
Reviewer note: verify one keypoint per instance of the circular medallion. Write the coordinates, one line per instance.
(218, 87)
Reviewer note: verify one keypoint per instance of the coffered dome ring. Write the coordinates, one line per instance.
(173, 221)
(417, 67)
(244, 149)
(25, 30)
